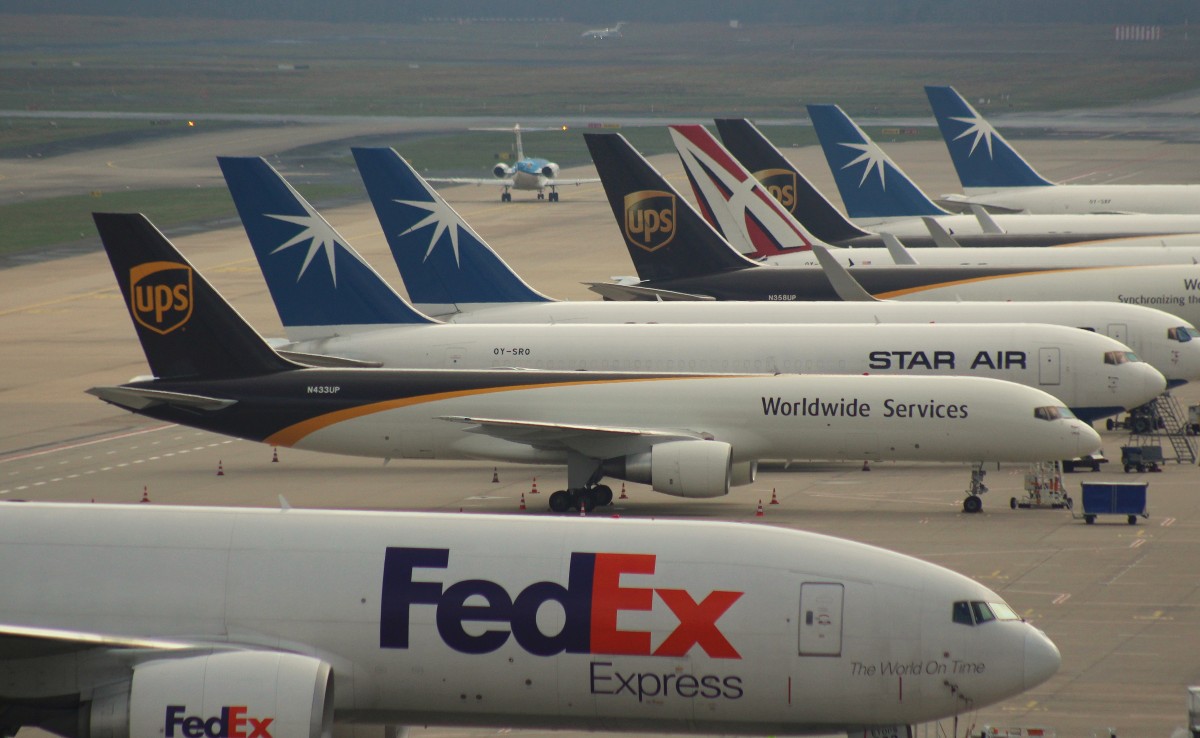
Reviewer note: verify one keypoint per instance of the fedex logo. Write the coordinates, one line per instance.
(592, 601)
(231, 723)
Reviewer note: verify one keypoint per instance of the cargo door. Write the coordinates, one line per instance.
(821, 619)
(1049, 365)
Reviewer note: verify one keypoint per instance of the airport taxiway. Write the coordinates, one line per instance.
(1122, 602)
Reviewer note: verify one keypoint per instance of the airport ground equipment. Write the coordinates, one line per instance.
(1164, 418)
(1091, 461)
(1145, 458)
(1043, 488)
(1113, 498)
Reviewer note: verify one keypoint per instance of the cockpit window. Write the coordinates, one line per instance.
(978, 612)
(1182, 334)
(1050, 412)
(1120, 357)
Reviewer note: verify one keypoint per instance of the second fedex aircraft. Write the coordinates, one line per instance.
(451, 272)
(995, 176)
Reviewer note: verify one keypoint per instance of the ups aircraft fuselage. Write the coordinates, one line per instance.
(1092, 374)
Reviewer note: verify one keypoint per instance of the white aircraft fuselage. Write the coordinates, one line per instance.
(1075, 199)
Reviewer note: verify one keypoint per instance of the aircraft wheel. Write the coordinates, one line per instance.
(973, 504)
(506, 197)
(553, 197)
(560, 501)
(541, 196)
(1012, 503)
(1089, 519)
(602, 494)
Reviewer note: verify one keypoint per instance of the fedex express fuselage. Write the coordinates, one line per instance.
(279, 624)
(1095, 376)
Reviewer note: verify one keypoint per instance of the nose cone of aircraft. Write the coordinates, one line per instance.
(1089, 439)
(1153, 381)
(1042, 658)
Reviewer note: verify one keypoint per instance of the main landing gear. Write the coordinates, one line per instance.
(552, 197)
(585, 499)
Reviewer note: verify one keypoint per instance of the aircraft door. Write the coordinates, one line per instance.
(821, 618)
(1119, 331)
(1049, 365)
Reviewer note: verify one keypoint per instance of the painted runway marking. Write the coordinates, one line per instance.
(69, 446)
(1060, 599)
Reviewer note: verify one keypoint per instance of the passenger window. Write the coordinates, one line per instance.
(982, 612)
(962, 613)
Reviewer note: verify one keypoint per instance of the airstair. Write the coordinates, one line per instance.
(1163, 418)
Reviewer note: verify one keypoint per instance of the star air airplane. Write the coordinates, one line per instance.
(876, 192)
(756, 223)
(689, 260)
(1095, 376)
(998, 178)
(526, 173)
(206, 622)
(451, 272)
(687, 435)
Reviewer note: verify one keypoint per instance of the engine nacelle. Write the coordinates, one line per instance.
(550, 171)
(235, 694)
(680, 468)
(501, 171)
(743, 473)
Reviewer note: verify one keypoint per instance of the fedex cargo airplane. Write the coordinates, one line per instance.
(226, 622)
(451, 272)
(678, 256)
(526, 173)
(1095, 376)
(690, 435)
(876, 191)
(996, 176)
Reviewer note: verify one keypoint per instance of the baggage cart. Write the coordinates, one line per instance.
(1113, 498)
(1142, 458)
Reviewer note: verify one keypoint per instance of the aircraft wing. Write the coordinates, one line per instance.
(614, 291)
(136, 398)
(590, 440)
(565, 182)
(471, 180)
(19, 642)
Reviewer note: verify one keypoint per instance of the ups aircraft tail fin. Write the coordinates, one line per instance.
(665, 236)
(981, 156)
(187, 330)
(445, 264)
(793, 190)
(320, 285)
(871, 185)
(753, 220)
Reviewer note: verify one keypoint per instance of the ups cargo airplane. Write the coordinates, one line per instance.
(200, 621)
(876, 191)
(1095, 376)
(685, 435)
(451, 272)
(757, 224)
(995, 176)
(679, 256)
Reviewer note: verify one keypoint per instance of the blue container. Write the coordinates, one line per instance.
(1114, 498)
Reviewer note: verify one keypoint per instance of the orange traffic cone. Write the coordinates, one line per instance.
(145, 494)
(774, 499)
(534, 490)
(495, 475)
(220, 469)
(623, 495)
(274, 455)
(866, 466)
(759, 514)
(522, 500)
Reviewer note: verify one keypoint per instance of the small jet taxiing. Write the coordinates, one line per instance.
(600, 34)
(526, 173)
(995, 176)
(194, 622)
(688, 435)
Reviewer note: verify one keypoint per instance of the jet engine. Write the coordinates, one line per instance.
(683, 468)
(262, 694)
(550, 171)
(501, 171)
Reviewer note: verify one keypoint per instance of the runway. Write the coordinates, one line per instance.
(1122, 602)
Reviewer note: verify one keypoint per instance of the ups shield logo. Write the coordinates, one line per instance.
(650, 219)
(781, 183)
(161, 295)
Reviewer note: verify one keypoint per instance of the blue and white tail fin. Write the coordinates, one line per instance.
(982, 158)
(733, 201)
(320, 285)
(446, 267)
(873, 188)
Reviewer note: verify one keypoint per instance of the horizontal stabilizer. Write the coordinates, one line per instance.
(329, 362)
(136, 398)
(846, 286)
(613, 291)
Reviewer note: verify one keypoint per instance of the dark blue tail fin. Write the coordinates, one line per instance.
(445, 265)
(665, 236)
(982, 158)
(187, 330)
(320, 284)
(871, 184)
(782, 179)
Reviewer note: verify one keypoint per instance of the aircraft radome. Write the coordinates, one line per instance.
(685, 435)
(1095, 376)
(452, 273)
(190, 622)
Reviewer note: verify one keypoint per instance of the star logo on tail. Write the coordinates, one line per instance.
(314, 230)
(981, 129)
(442, 216)
(874, 158)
